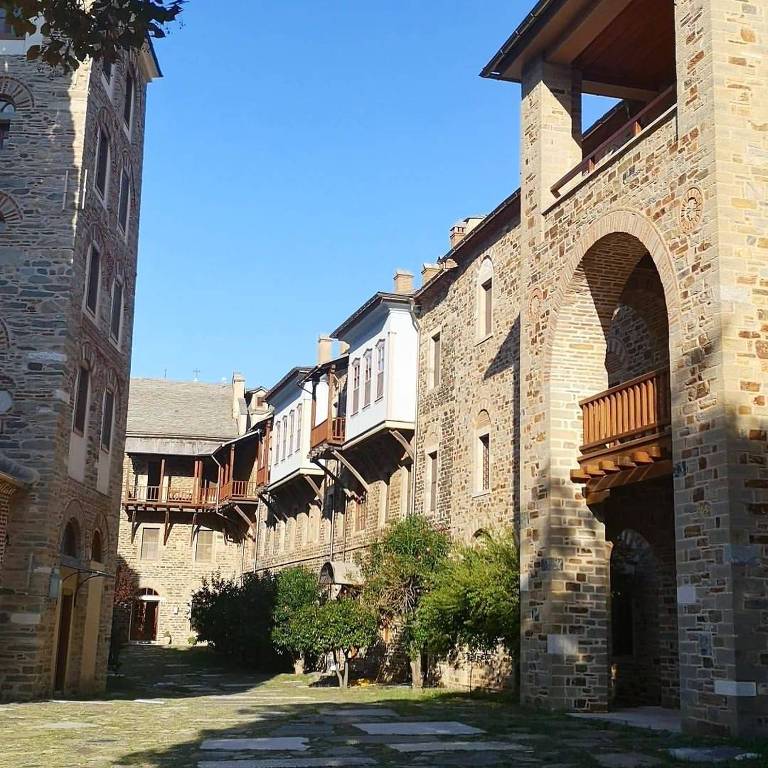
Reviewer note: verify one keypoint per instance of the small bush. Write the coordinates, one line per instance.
(236, 618)
(296, 590)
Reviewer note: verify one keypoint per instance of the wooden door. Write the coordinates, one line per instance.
(62, 644)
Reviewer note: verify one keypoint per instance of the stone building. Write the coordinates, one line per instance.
(593, 361)
(188, 488)
(340, 448)
(71, 152)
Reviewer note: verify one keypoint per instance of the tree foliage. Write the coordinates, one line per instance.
(236, 618)
(297, 589)
(475, 600)
(342, 627)
(400, 569)
(75, 30)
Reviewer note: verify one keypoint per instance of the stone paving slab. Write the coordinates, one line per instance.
(626, 760)
(288, 762)
(359, 712)
(711, 754)
(419, 728)
(459, 746)
(282, 744)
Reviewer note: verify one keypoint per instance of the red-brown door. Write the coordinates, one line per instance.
(62, 645)
(144, 621)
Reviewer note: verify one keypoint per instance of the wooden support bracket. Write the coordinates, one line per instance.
(407, 446)
(315, 488)
(194, 526)
(134, 526)
(247, 520)
(354, 472)
(167, 527)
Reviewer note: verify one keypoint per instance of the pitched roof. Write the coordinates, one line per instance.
(374, 301)
(180, 409)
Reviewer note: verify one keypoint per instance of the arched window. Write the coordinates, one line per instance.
(485, 299)
(70, 541)
(483, 452)
(3, 223)
(97, 553)
(298, 427)
(7, 111)
(101, 177)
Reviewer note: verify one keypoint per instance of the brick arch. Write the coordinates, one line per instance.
(9, 209)
(73, 511)
(18, 92)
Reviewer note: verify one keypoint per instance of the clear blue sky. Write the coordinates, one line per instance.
(295, 159)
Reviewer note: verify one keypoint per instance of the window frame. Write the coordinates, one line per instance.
(486, 284)
(129, 106)
(299, 409)
(285, 437)
(107, 427)
(380, 368)
(277, 443)
(156, 531)
(124, 201)
(367, 377)
(210, 545)
(432, 480)
(116, 338)
(292, 432)
(355, 386)
(102, 138)
(80, 414)
(435, 358)
(89, 278)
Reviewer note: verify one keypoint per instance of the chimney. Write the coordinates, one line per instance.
(324, 349)
(462, 228)
(428, 271)
(403, 282)
(239, 408)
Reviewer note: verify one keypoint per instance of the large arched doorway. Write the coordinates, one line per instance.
(611, 436)
(69, 551)
(144, 616)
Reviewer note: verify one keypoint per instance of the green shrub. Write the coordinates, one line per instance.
(236, 618)
(475, 600)
(296, 589)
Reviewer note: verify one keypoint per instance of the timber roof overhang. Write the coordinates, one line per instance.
(339, 363)
(297, 373)
(622, 48)
(376, 300)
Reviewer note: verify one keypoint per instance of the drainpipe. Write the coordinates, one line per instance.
(412, 493)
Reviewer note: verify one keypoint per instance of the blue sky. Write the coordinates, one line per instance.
(294, 160)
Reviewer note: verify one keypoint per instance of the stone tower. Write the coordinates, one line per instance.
(71, 149)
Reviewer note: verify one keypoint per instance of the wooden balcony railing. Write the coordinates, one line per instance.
(330, 431)
(155, 494)
(626, 416)
(632, 128)
(240, 490)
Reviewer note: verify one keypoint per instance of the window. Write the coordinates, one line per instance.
(92, 280)
(360, 510)
(116, 312)
(107, 420)
(3, 223)
(125, 200)
(81, 401)
(102, 164)
(277, 443)
(482, 452)
(298, 427)
(70, 541)
(291, 433)
(96, 547)
(485, 300)
(368, 358)
(435, 353)
(7, 111)
(130, 95)
(106, 70)
(6, 31)
(432, 477)
(285, 437)
(355, 386)
(150, 541)
(204, 546)
(380, 369)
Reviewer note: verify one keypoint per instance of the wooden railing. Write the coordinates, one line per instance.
(155, 494)
(325, 432)
(242, 490)
(639, 408)
(633, 127)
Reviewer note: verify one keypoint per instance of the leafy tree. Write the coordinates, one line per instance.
(475, 602)
(341, 627)
(236, 618)
(399, 570)
(75, 30)
(296, 589)
(126, 592)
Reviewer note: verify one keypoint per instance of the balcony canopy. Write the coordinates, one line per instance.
(623, 48)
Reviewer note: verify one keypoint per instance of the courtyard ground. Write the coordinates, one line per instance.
(183, 708)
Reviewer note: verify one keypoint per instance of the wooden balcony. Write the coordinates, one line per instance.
(240, 490)
(626, 433)
(330, 432)
(159, 496)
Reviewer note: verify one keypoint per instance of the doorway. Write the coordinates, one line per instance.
(144, 617)
(62, 645)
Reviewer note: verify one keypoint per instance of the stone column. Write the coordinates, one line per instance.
(722, 483)
(563, 552)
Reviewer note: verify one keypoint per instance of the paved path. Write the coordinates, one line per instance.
(178, 709)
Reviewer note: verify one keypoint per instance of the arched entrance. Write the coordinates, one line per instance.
(610, 433)
(144, 616)
(69, 550)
